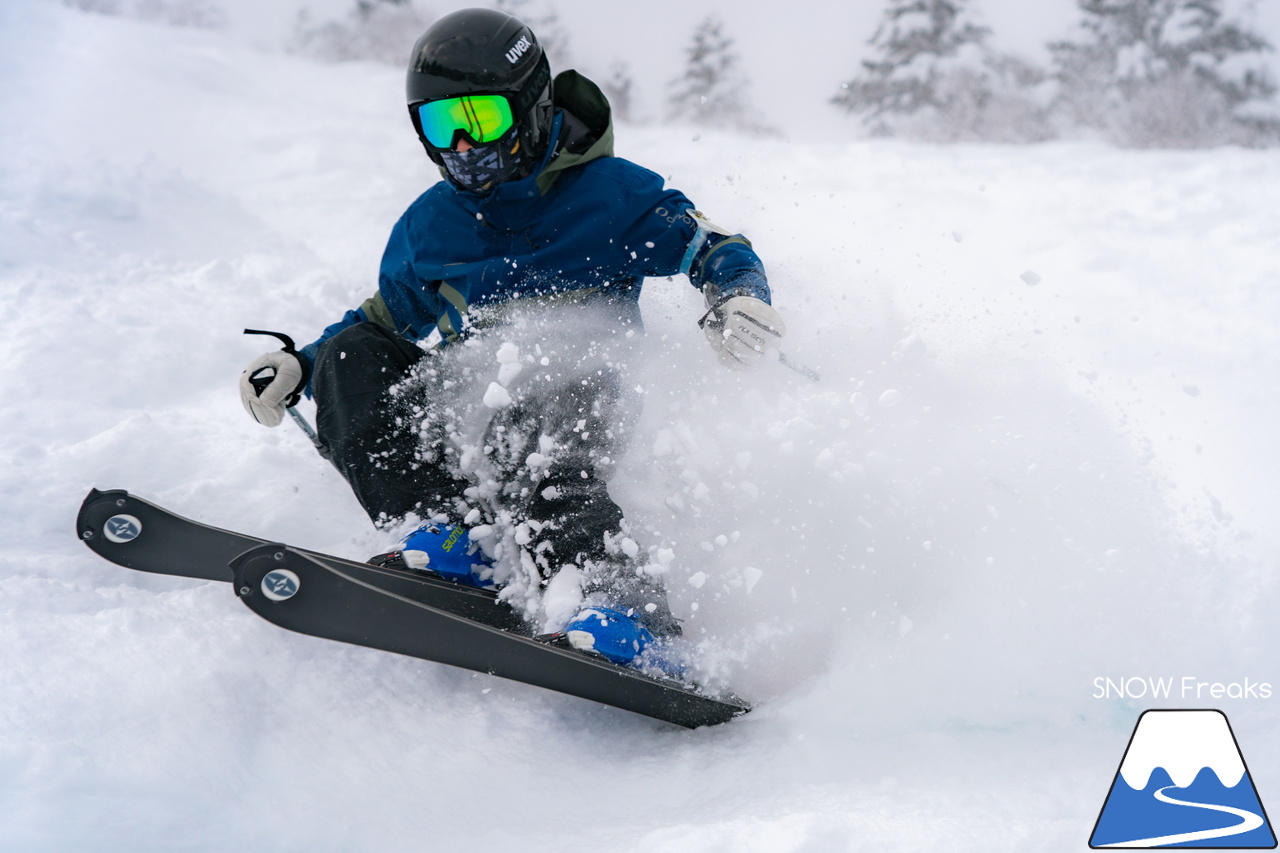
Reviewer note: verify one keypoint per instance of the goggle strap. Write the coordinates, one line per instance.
(532, 90)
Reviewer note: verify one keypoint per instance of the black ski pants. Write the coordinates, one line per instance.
(379, 448)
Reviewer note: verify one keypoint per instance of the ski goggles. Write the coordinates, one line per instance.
(483, 118)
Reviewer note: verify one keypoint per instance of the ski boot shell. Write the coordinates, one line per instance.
(444, 550)
(620, 638)
(613, 635)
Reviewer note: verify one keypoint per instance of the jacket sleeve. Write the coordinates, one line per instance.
(721, 264)
(671, 237)
(373, 309)
(408, 307)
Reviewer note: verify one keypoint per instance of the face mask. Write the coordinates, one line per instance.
(482, 168)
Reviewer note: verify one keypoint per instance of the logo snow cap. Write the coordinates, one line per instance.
(1183, 782)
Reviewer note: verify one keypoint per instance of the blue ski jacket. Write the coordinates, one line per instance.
(585, 222)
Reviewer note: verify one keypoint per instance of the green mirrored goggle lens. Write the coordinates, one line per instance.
(483, 117)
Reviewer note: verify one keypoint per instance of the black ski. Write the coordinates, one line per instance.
(174, 545)
(381, 608)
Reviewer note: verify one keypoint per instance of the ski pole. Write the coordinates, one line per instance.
(301, 421)
(262, 379)
(807, 372)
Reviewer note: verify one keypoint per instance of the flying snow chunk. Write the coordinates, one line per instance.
(563, 597)
(508, 371)
(697, 579)
(497, 397)
(508, 353)
(890, 398)
(1030, 278)
(665, 443)
(750, 577)
(859, 402)
(1191, 390)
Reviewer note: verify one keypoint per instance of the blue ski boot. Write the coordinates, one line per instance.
(619, 638)
(613, 635)
(442, 550)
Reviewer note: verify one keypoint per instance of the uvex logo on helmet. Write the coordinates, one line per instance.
(518, 49)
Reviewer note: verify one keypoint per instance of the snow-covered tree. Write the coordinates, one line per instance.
(382, 30)
(619, 88)
(1165, 73)
(712, 91)
(178, 13)
(932, 76)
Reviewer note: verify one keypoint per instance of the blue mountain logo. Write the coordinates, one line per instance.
(1183, 783)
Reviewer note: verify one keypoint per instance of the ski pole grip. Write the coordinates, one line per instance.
(261, 380)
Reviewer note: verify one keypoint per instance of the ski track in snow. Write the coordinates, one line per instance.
(1042, 450)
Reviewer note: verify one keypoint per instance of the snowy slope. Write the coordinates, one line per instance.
(1005, 485)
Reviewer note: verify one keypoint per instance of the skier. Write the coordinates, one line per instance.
(529, 254)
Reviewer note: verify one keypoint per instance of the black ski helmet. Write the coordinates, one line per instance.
(483, 51)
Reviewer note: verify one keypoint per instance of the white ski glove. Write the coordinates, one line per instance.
(271, 383)
(741, 328)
